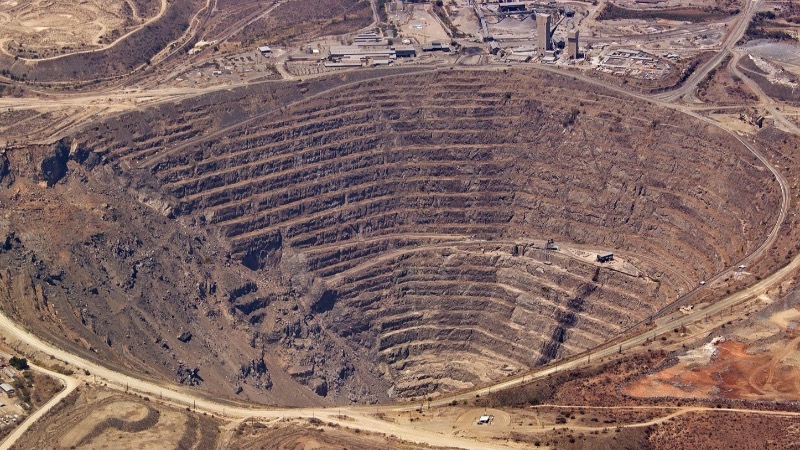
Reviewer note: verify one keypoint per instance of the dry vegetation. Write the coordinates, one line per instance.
(706, 430)
(723, 88)
(756, 361)
(778, 84)
(596, 386)
(721, 430)
(32, 390)
(772, 25)
(308, 19)
(781, 148)
(151, 41)
(377, 235)
(708, 14)
(312, 433)
(680, 72)
(601, 416)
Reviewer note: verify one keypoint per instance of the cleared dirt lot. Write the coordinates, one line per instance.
(41, 29)
(98, 418)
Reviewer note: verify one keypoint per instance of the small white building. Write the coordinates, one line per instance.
(265, 50)
(7, 388)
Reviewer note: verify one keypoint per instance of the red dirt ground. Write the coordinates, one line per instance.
(732, 373)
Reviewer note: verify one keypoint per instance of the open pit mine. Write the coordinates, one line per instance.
(372, 235)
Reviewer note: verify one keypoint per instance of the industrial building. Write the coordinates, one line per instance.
(345, 63)
(359, 52)
(365, 53)
(549, 57)
(527, 50)
(370, 38)
(512, 7)
(436, 47)
(7, 388)
(543, 33)
(634, 63)
(573, 48)
(342, 56)
(605, 257)
(404, 51)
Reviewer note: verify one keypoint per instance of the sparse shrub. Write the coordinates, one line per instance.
(571, 118)
(18, 363)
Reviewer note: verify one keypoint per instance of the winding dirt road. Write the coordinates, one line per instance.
(69, 385)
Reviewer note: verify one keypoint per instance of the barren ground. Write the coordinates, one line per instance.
(39, 29)
(99, 418)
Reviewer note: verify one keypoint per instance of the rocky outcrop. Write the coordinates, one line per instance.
(54, 167)
(6, 176)
(189, 376)
(255, 373)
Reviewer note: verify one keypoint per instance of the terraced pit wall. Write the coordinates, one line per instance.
(402, 213)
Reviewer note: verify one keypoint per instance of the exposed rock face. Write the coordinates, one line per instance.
(54, 167)
(389, 236)
(6, 177)
(256, 373)
(189, 376)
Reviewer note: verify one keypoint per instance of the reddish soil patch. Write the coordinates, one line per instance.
(732, 373)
